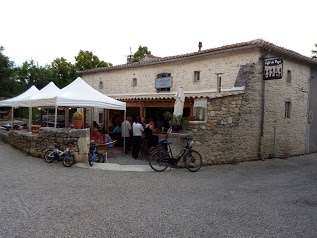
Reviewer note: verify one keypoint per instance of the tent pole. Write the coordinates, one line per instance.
(55, 123)
(30, 119)
(124, 118)
(12, 117)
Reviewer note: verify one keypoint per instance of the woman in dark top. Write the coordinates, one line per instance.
(148, 132)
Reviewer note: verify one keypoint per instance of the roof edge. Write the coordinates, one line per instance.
(258, 43)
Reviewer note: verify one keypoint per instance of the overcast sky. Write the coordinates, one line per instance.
(44, 30)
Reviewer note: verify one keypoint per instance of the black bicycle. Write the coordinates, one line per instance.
(58, 154)
(160, 158)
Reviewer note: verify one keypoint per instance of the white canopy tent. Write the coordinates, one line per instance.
(43, 98)
(80, 94)
(24, 96)
(77, 94)
(12, 102)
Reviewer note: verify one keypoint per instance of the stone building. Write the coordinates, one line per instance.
(238, 115)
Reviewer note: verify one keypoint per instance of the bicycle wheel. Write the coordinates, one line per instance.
(100, 158)
(49, 156)
(68, 160)
(159, 160)
(90, 161)
(193, 161)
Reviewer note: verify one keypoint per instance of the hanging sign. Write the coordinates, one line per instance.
(273, 69)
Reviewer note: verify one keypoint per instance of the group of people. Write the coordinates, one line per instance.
(135, 132)
(132, 133)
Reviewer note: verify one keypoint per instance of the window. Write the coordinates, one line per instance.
(196, 76)
(163, 82)
(287, 109)
(163, 90)
(219, 82)
(164, 75)
(101, 118)
(289, 76)
(100, 85)
(134, 82)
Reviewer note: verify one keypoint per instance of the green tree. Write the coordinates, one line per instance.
(141, 53)
(87, 60)
(62, 72)
(314, 56)
(8, 85)
(30, 73)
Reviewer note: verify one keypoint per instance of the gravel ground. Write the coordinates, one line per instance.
(272, 198)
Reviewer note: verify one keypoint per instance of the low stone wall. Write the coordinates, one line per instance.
(215, 138)
(37, 144)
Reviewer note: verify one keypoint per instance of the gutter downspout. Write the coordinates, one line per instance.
(261, 149)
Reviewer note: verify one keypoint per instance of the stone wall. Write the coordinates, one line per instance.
(232, 130)
(37, 144)
(285, 137)
(120, 81)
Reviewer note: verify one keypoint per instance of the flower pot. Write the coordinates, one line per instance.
(35, 129)
(192, 118)
(78, 124)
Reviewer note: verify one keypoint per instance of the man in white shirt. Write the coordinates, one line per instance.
(126, 132)
(138, 131)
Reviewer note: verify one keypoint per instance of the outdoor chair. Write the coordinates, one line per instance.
(104, 149)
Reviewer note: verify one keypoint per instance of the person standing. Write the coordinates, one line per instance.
(138, 131)
(126, 132)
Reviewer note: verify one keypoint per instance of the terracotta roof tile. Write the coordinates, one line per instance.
(160, 96)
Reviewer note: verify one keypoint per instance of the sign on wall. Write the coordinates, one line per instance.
(273, 69)
(200, 106)
(164, 82)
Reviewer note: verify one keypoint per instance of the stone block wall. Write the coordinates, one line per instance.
(285, 137)
(232, 130)
(37, 144)
(119, 81)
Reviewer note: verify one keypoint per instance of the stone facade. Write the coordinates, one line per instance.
(120, 81)
(287, 136)
(37, 144)
(231, 131)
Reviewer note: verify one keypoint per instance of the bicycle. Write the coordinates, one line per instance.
(160, 158)
(57, 154)
(94, 155)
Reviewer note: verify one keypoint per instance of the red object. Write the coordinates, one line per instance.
(96, 136)
(78, 124)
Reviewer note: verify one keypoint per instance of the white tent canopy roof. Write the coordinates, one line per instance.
(80, 94)
(22, 97)
(45, 97)
(76, 94)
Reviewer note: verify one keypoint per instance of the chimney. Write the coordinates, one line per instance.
(200, 44)
(129, 59)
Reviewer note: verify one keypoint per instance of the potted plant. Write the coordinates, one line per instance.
(177, 122)
(77, 120)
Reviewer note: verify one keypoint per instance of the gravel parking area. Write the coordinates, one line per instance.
(272, 198)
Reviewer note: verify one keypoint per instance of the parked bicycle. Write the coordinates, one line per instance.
(94, 155)
(160, 158)
(58, 154)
